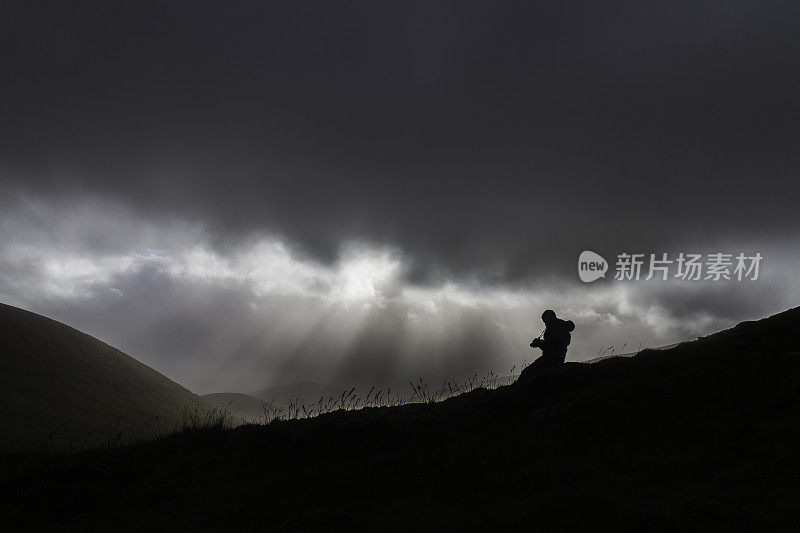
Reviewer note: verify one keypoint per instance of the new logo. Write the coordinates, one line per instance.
(591, 266)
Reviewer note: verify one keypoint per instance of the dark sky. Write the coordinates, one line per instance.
(471, 148)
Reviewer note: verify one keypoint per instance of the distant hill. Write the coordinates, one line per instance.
(308, 391)
(242, 405)
(257, 405)
(63, 388)
(699, 437)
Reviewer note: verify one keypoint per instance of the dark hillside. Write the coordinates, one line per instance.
(62, 388)
(702, 436)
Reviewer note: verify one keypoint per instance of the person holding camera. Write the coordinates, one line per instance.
(553, 342)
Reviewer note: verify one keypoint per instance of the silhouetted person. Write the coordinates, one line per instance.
(553, 343)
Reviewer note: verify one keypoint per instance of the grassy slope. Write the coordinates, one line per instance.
(701, 436)
(62, 387)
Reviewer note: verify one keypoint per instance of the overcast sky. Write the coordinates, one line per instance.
(242, 194)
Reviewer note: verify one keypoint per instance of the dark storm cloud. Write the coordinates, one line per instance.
(489, 139)
(254, 193)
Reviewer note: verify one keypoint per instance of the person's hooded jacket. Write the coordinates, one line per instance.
(556, 338)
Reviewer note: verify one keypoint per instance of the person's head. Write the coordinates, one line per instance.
(548, 317)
